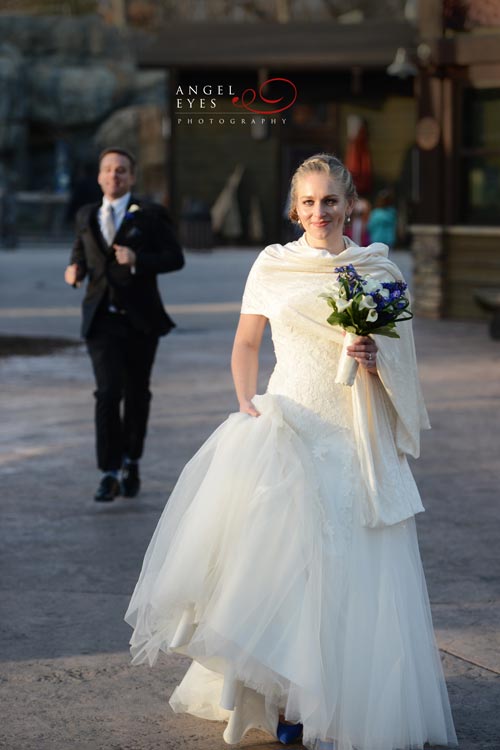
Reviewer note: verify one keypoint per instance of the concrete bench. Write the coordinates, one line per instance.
(489, 299)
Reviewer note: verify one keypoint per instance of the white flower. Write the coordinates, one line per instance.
(367, 301)
(332, 291)
(372, 315)
(133, 208)
(384, 293)
(343, 304)
(371, 285)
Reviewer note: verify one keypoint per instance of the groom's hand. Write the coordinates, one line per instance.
(124, 255)
(71, 275)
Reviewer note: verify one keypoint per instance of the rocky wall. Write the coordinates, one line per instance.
(73, 80)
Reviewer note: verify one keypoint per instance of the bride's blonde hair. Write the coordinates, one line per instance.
(328, 164)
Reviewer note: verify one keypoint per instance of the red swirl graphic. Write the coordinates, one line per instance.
(242, 102)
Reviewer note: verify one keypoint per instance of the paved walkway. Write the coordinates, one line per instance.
(69, 565)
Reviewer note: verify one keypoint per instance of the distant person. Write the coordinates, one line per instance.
(356, 229)
(121, 245)
(8, 213)
(382, 222)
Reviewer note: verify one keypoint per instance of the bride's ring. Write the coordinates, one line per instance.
(370, 356)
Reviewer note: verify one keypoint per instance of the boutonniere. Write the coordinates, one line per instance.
(132, 210)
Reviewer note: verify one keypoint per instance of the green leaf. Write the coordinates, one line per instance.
(335, 319)
(386, 331)
(408, 317)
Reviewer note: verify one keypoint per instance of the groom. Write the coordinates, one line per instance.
(121, 246)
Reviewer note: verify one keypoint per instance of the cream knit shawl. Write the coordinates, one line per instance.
(389, 410)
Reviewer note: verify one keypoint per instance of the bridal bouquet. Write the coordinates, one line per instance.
(361, 306)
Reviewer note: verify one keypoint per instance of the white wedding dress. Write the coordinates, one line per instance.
(278, 565)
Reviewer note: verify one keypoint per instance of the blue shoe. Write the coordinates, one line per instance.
(288, 733)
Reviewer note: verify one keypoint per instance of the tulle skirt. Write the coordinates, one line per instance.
(262, 573)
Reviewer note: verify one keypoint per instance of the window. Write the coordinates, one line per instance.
(480, 157)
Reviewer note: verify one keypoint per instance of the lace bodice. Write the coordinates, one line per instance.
(305, 371)
(306, 350)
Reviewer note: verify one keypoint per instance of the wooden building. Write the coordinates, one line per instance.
(434, 136)
(338, 70)
(456, 235)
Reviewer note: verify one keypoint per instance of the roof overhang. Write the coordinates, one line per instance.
(292, 46)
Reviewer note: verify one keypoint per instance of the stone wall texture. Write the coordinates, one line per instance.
(72, 78)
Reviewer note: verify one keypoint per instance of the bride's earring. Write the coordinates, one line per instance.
(348, 219)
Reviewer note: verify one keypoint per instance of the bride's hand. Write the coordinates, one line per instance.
(364, 350)
(246, 407)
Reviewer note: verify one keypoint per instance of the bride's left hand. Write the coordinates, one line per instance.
(364, 350)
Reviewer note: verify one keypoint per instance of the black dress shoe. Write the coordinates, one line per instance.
(108, 489)
(131, 482)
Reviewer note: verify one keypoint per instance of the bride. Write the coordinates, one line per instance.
(286, 562)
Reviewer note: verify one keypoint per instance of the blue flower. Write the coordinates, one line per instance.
(365, 305)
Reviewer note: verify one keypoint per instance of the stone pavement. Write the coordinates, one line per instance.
(69, 565)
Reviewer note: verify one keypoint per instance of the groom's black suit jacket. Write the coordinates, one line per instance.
(147, 230)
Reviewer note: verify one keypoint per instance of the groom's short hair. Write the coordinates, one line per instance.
(122, 152)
